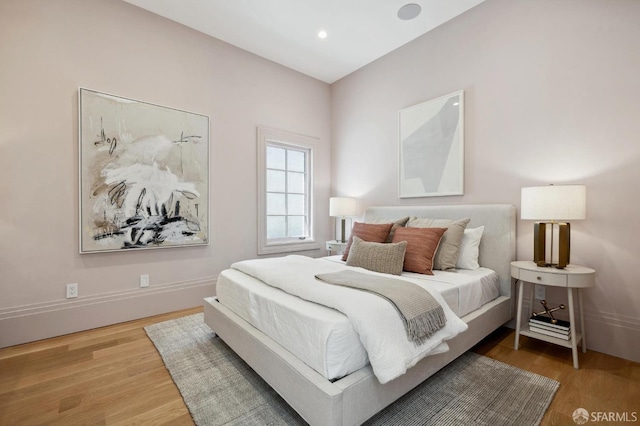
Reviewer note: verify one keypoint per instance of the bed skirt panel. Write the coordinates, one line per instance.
(356, 397)
(317, 400)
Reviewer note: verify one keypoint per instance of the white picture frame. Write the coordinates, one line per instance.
(431, 147)
(144, 175)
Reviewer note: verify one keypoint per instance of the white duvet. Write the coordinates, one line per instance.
(374, 319)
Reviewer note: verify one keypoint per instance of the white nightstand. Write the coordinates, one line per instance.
(336, 247)
(573, 278)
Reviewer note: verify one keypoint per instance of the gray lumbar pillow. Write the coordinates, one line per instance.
(387, 258)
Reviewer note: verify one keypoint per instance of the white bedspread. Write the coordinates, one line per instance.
(374, 319)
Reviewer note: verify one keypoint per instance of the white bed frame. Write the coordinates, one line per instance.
(358, 396)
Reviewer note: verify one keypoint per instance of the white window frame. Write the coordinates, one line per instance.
(268, 136)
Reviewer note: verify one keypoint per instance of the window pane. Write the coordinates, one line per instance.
(275, 181)
(285, 221)
(296, 182)
(276, 157)
(276, 204)
(296, 226)
(276, 227)
(295, 204)
(296, 161)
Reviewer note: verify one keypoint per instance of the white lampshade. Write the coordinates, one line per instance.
(554, 202)
(342, 206)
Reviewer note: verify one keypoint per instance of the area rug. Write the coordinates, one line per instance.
(221, 389)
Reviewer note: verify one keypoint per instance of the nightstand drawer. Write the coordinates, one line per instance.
(336, 247)
(546, 278)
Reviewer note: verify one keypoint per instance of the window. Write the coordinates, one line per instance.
(285, 192)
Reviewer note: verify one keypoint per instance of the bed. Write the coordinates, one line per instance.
(346, 397)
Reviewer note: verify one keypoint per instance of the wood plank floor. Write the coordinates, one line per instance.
(114, 376)
(602, 384)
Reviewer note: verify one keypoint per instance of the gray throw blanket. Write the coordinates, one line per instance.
(421, 314)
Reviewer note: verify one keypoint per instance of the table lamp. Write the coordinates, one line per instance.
(553, 205)
(342, 207)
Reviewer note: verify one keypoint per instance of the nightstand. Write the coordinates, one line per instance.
(336, 247)
(574, 278)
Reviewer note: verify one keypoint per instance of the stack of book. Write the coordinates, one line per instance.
(543, 325)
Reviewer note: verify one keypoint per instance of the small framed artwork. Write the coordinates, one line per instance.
(431, 148)
(144, 175)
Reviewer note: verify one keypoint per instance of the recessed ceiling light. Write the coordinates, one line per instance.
(322, 34)
(409, 11)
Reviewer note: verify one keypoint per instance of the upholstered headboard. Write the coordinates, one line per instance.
(498, 244)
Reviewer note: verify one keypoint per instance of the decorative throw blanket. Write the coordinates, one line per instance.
(376, 321)
(420, 312)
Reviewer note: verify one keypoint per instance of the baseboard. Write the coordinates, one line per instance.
(29, 323)
(609, 333)
(613, 334)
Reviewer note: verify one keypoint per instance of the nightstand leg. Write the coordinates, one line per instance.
(582, 329)
(520, 283)
(572, 317)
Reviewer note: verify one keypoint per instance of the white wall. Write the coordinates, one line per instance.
(552, 96)
(551, 92)
(50, 48)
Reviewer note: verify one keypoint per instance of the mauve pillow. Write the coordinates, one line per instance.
(395, 222)
(449, 249)
(374, 233)
(422, 244)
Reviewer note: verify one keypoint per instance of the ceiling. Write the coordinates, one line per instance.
(286, 31)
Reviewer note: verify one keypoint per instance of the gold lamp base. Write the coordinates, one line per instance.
(342, 229)
(540, 244)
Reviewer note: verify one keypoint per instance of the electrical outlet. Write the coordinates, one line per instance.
(144, 280)
(72, 291)
(540, 292)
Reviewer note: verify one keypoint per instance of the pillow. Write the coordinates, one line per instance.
(470, 249)
(422, 244)
(377, 257)
(396, 224)
(447, 254)
(375, 233)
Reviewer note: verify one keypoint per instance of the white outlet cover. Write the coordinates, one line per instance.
(540, 292)
(72, 291)
(144, 280)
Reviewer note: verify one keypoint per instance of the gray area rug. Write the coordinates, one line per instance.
(221, 389)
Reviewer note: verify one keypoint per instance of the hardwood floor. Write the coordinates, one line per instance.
(107, 376)
(602, 384)
(114, 376)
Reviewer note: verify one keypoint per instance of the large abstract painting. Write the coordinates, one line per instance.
(432, 147)
(144, 175)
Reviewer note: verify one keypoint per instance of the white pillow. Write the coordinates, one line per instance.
(470, 249)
